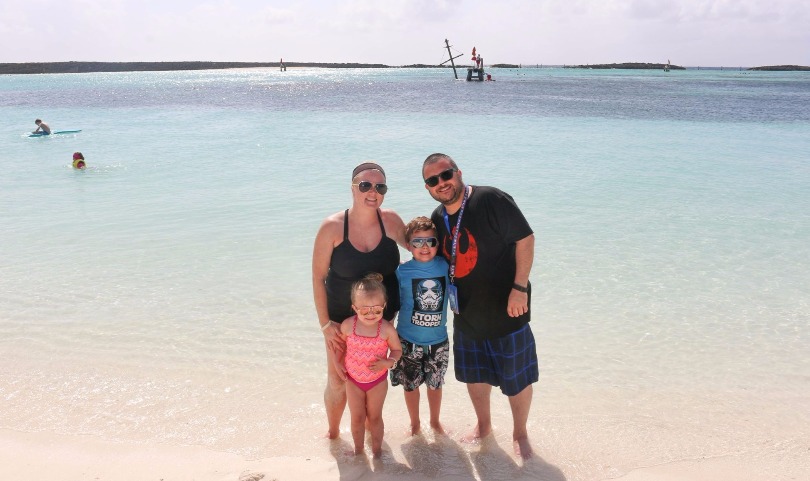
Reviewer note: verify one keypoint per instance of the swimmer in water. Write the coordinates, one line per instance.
(78, 161)
(42, 128)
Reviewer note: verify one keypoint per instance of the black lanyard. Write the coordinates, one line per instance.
(454, 248)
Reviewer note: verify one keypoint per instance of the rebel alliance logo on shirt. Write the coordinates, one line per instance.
(428, 296)
(467, 255)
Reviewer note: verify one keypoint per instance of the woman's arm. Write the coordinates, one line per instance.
(394, 227)
(321, 257)
(340, 356)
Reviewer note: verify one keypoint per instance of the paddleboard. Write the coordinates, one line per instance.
(42, 134)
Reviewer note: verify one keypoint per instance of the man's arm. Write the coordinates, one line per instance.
(518, 303)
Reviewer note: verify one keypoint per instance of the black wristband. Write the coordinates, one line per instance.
(520, 288)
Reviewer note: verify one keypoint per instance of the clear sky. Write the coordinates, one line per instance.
(400, 32)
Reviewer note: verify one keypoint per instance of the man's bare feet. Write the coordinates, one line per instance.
(476, 435)
(416, 429)
(522, 448)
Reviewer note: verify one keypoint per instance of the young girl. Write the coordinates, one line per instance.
(366, 361)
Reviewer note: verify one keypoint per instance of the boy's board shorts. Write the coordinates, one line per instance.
(421, 365)
(509, 362)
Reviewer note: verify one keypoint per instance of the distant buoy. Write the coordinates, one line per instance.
(78, 160)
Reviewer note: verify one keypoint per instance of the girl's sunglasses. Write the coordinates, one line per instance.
(365, 310)
(365, 186)
(419, 242)
(433, 180)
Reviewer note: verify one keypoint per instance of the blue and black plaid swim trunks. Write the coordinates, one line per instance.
(509, 362)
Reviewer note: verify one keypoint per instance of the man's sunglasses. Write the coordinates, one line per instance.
(433, 180)
(365, 186)
(419, 242)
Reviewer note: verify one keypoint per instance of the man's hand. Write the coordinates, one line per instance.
(518, 303)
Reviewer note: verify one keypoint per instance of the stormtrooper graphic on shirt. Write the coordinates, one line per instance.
(428, 295)
(423, 291)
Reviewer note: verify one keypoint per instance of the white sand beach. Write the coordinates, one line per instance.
(79, 458)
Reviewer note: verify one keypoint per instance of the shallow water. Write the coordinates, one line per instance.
(164, 293)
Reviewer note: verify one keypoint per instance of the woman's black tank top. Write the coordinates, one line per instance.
(348, 265)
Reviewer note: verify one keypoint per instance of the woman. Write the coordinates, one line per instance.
(350, 244)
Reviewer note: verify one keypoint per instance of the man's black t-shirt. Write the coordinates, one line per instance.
(485, 261)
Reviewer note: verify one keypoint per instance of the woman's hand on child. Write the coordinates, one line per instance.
(334, 339)
(341, 370)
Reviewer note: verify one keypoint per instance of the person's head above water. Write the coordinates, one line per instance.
(78, 160)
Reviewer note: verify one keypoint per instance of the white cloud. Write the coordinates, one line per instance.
(397, 32)
(379, 16)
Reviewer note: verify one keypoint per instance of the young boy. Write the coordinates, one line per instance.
(42, 128)
(422, 322)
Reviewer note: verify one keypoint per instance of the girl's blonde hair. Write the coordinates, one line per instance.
(372, 282)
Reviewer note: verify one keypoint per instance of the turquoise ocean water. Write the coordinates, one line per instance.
(163, 295)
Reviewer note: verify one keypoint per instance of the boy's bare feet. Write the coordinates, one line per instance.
(355, 452)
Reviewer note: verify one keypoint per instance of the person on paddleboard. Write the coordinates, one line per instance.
(42, 128)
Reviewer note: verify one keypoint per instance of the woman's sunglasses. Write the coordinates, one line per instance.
(419, 242)
(433, 180)
(365, 310)
(365, 186)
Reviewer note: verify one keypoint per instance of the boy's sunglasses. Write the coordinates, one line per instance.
(433, 180)
(419, 242)
(365, 310)
(365, 186)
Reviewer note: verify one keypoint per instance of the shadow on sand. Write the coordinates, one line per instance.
(493, 463)
(353, 467)
(443, 459)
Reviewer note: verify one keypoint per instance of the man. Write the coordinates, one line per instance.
(42, 128)
(493, 344)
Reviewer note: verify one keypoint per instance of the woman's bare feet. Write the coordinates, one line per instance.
(522, 448)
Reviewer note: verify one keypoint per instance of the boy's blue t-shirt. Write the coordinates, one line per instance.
(422, 292)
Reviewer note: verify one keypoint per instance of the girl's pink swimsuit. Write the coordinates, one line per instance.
(362, 351)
